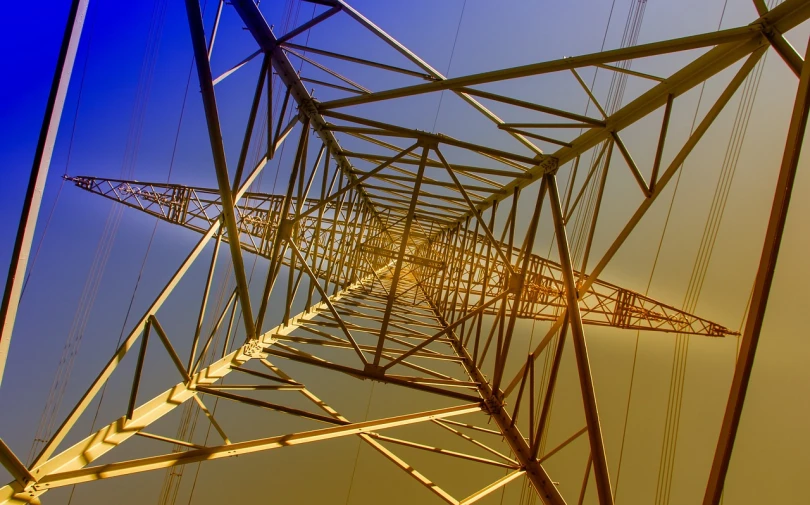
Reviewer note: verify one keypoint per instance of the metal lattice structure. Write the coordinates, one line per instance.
(413, 260)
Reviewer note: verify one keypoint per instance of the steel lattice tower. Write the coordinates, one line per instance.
(413, 261)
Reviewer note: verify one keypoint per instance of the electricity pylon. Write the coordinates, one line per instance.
(409, 277)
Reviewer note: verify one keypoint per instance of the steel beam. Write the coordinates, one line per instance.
(39, 174)
(762, 288)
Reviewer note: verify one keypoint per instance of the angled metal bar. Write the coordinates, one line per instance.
(236, 67)
(645, 188)
(168, 440)
(762, 287)
(533, 106)
(573, 206)
(15, 467)
(211, 390)
(309, 24)
(170, 349)
(67, 478)
(206, 291)
(218, 151)
(39, 174)
(330, 85)
(506, 479)
(590, 94)
(545, 410)
(211, 419)
(630, 72)
(662, 137)
(583, 365)
(329, 71)
(136, 380)
(563, 444)
(215, 29)
(254, 108)
(439, 450)
(535, 136)
(361, 61)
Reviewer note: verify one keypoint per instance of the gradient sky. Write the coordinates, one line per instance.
(771, 458)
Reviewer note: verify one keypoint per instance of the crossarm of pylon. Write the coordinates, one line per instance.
(198, 208)
(602, 303)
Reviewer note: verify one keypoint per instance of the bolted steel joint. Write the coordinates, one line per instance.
(515, 283)
(285, 228)
(374, 371)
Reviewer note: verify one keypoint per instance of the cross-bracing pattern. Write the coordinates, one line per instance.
(413, 261)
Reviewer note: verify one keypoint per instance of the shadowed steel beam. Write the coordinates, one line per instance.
(226, 451)
(583, 365)
(195, 23)
(39, 174)
(762, 288)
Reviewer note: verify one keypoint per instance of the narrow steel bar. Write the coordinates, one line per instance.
(332, 197)
(361, 61)
(492, 487)
(254, 108)
(215, 29)
(762, 288)
(645, 188)
(309, 24)
(545, 410)
(15, 467)
(178, 363)
(583, 365)
(662, 137)
(211, 419)
(206, 291)
(169, 440)
(136, 380)
(563, 444)
(218, 151)
(589, 93)
(630, 72)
